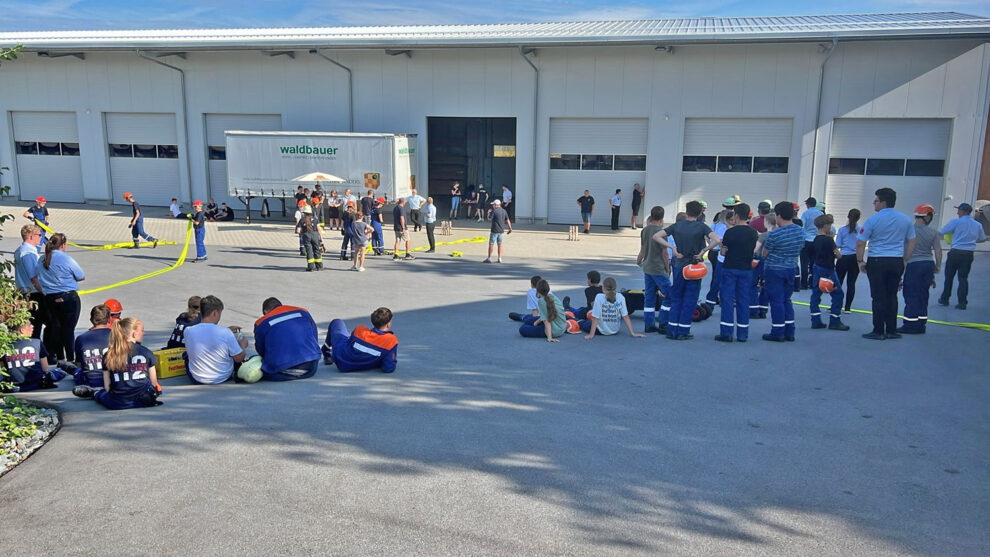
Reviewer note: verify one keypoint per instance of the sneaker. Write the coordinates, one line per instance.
(818, 325)
(772, 338)
(893, 336)
(154, 244)
(66, 366)
(83, 391)
(838, 327)
(960, 306)
(906, 331)
(847, 311)
(662, 329)
(361, 269)
(740, 340)
(488, 260)
(790, 339)
(723, 338)
(430, 251)
(650, 329)
(942, 302)
(587, 232)
(567, 301)
(354, 268)
(500, 260)
(873, 335)
(395, 258)
(515, 316)
(688, 336)
(409, 256)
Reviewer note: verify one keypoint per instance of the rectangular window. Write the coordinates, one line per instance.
(885, 167)
(770, 165)
(847, 166)
(565, 162)
(735, 164)
(925, 167)
(218, 153)
(146, 151)
(596, 162)
(27, 148)
(49, 148)
(121, 150)
(504, 151)
(630, 162)
(695, 163)
(168, 151)
(70, 149)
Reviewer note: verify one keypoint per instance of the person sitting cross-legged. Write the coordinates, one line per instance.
(90, 348)
(286, 339)
(364, 348)
(213, 353)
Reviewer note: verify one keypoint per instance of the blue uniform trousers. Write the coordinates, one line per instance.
(758, 299)
(138, 230)
(712, 296)
(653, 283)
(200, 242)
(683, 301)
(918, 277)
(377, 239)
(780, 288)
(734, 291)
(835, 314)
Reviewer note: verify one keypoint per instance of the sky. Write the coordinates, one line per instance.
(45, 15)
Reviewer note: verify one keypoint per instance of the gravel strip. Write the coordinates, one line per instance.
(17, 450)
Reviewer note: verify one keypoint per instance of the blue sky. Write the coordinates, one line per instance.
(24, 15)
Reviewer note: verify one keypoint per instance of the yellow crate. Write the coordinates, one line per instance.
(170, 363)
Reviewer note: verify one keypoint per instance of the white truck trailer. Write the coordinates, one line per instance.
(263, 164)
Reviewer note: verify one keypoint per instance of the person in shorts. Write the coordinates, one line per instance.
(500, 226)
(587, 204)
(401, 229)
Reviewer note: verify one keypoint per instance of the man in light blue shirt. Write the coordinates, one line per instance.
(810, 231)
(415, 202)
(430, 216)
(966, 232)
(891, 237)
(26, 271)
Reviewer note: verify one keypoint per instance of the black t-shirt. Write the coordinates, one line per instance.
(587, 203)
(135, 208)
(500, 220)
(367, 204)
(397, 218)
(824, 248)
(198, 219)
(376, 214)
(300, 196)
(689, 235)
(482, 198)
(590, 293)
(740, 242)
(35, 209)
(133, 379)
(637, 198)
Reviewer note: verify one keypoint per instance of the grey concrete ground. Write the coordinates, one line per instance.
(487, 443)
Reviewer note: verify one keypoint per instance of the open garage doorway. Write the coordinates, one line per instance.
(471, 151)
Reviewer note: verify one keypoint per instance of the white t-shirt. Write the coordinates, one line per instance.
(211, 350)
(531, 300)
(609, 314)
(175, 209)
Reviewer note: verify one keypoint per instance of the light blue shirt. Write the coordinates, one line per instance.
(966, 232)
(25, 266)
(430, 212)
(415, 202)
(808, 222)
(887, 233)
(61, 275)
(846, 241)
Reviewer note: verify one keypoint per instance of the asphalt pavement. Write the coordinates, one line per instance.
(484, 442)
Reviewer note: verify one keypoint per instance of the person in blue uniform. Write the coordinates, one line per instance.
(129, 376)
(286, 339)
(781, 254)
(137, 223)
(199, 230)
(309, 230)
(824, 252)
(736, 277)
(377, 224)
(810, 233)
(26, 364)
(186, 319)
(90, 348)
(919, 273)
(365, 348)
(39, 212)
(966, 233)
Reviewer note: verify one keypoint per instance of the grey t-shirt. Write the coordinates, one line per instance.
(359, 231)
(653, 261)
(924, 250)
(500, 219)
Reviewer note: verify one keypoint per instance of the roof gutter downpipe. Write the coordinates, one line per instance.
(350, 85)
(536, 106)
(818, 112)
(185, 122)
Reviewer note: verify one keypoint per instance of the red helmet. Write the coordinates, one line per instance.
(114, 305)
(826, 285)
(921, 210)
(695, 271)
(41, 199)
(197, 203)
(127, 195)
(301, 203)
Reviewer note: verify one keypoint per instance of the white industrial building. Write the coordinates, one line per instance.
(776, 107)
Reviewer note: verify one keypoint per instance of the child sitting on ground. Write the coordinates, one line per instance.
(27, 364)
(185, 320)
(364, 348)
(608, 309)
(90, 348)
(115, 309)
(552, 322)
(129, 377)
(532, 307)
(594, 289)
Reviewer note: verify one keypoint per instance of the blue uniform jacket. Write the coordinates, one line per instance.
(90, 348)
(366, 349)
(286, 337)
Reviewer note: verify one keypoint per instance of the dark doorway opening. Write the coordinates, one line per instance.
(471, 151)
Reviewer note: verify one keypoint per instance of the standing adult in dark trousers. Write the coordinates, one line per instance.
(26, 274)
(377, 222)
(59, 276)
(137, 223)
(430, 219)
(966, 232)
(308, 229)
(587, 204)
(507, 201)
(615, 202)
(810, 231)
(199, 230)
(637, 202)
(415, 203)
(846, 268)
(919, 274)
(891, 238)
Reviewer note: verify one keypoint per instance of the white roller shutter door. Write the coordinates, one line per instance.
(216, 125)
(907, 139)
(57, 177)
(594, 136)
(153, 181)
(735, 137)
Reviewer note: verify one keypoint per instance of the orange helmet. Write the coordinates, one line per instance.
(127, 195)
(924, 210)
(197, 203)
(826, 285)
(695, 271)
(573, 327)
(114, 305)
(301, 203)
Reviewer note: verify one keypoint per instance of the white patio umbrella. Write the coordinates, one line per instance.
(318, 177)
